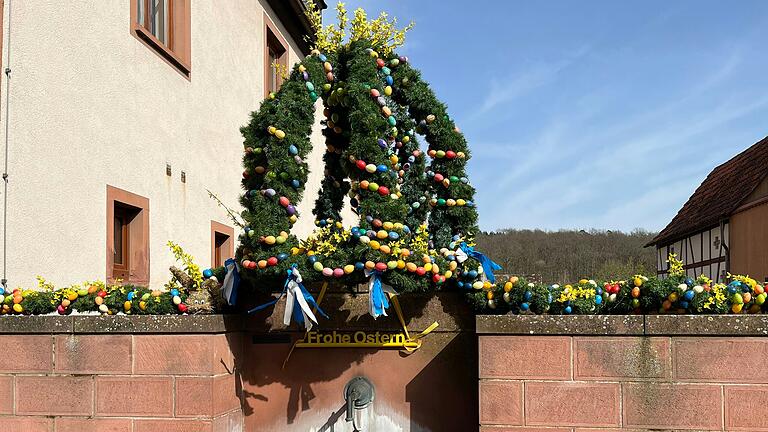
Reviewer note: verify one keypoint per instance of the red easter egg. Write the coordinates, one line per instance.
(435, 277)
(416, 153)
(438, 177)
(61, 310)
(420, 271)
(272, 261)
(284, 201)
(380, 63)
(450, 154)
(375, 93)
(432, 153)
(360, 164)
(380, 266)
(383, 190)
(182, 308)
(376, 223)
(252, 265)
(245, 174)
(246, 263)
(337, 272)
(102, 294)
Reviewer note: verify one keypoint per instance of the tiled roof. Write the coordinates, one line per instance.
(719, 195)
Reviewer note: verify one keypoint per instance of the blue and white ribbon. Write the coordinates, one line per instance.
(231, 282)
(464, 252)
(298, 302)
(378, 301)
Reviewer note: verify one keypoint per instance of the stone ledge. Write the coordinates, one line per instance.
(628, 325)
(560, 324)
(97, 324)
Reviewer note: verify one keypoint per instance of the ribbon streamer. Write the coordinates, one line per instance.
(377, 297)
(231, 281)
(297, 303)
(464, 252)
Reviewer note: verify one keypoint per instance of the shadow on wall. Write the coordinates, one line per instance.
(306, 395)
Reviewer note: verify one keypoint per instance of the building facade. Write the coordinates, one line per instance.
(724, 225)
(121, 116)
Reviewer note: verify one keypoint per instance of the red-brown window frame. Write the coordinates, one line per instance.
(228, 247)
(178, 51)
(138, 236)
(275, 41)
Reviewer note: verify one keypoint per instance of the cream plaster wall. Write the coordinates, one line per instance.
(91, 105)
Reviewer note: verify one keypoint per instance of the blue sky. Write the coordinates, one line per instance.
(592, 114)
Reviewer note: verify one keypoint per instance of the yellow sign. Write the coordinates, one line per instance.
(359, 339)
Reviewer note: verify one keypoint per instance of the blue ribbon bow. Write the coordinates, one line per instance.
(378, 299)
(231, 282)
(488, 265)
(298, 311)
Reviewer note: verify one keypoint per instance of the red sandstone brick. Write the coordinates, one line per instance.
(92, 425)
(54, 395)
(745, 407)
(26, 353)
(572, 404)
(91, 354)
(127, 396)
(168, 425)
(206, 396)
(621, 357)
(229, 422)
(717, 360)
(173, 355)
(501, 402)
(26, 424)
(226, 347)
(526, 429)
(6, 395)
(525, 357)
(681, 406)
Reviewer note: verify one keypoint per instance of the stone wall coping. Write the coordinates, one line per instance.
(624, 325)
(120, 324)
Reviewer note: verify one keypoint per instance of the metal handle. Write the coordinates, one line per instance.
(358, 393)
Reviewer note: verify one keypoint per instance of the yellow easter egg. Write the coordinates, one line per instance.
(302, 68)
(489, 295)
(18, 308)
(382, 234)
(66, 303)
(448, 274)
(270, 240)
(428, 266)
(400, 264)
(388, 226)
(279, 134)
(411, 267)
(426, 259)
(388, 91)
(477, 285)
(374, 245)
(293, 219)
(349, 268)
(127, 305)
(508, 287)
(385, 249)
(99, 300)
(736, 307)
(72, 296)
(271, 130)
(435, 268)
(142, 305)
(398, 225)
(405, 252)
(460, 202)
(370, 265)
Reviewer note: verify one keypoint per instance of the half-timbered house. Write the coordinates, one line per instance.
(724, 225)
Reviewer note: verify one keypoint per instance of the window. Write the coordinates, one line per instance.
(276, 52)
(127, 237)
(164, 26)
(222, 245)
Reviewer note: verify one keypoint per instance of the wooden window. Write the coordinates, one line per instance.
(164, 26)
(222, 243)
(127, 237)
(275, 52)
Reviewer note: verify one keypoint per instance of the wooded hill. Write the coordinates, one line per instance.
(567, 256)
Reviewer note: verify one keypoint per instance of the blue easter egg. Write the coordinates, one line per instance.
(451, 245)
(599, 291)
(460, 284)
(472, 274)
(524, 306)
(684, 304)
(312, 259)
(689, 295)
(207, 273)
(322, 57)
(567, 310)
(359, 266)
(598, 300)
(295, 183)
(451, 258)
(293, 150)
(411, 159)
(282, 256)
(131, 295)
(369, 218)
(406, 229)
(381, 168)
(689, 282)
(393, 235)
(549, 298)
(389, 80)
(527, 296)
(385, 70)
(174, 292)
(322, 223)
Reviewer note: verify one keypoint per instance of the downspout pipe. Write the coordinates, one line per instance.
(4, 280)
